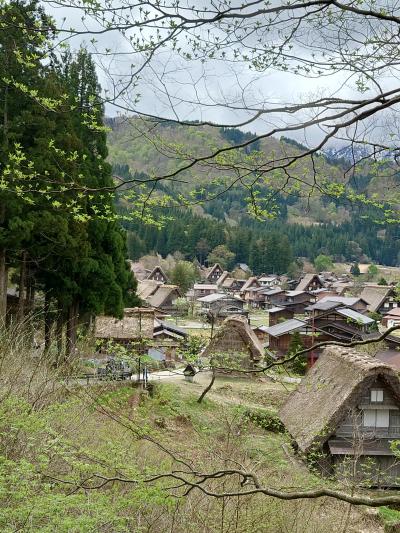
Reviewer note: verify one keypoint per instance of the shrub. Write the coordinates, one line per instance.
(265, 419)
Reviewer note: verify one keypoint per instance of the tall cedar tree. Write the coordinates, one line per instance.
(69, 245)
(105, 281)
(20, 75)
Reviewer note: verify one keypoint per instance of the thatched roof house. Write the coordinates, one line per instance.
(310, 282)
(158, 274)
(214, 273)
(146, 288)
(236, 339)
(139, 270)
(381, 299)
(165, 296)
(137, 323)
(347, 393)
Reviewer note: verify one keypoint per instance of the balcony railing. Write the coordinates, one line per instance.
(369, 432)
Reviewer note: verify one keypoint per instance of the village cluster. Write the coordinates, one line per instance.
(318, 307)
(346, 408)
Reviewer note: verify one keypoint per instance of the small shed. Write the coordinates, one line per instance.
(276, 314)
(189, 372)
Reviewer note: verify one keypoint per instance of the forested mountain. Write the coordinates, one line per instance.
(293, 224)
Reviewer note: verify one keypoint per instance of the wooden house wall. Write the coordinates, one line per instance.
(158, 276)
(314, 284)
(380, 467)
(261, 335)
(388, 304)
(281, 344)
(198, 293)
(275, 318)
(321, 320)
(298, 308)
(353, 422)
(215, 275)
(275, 299)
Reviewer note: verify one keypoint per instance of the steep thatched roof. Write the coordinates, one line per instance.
(227, 283)
(306, 280)
(137, 322)
(375, 296)
(235, 336)
(332, 387)
(139, 270)
(223, 277)
(146, 288)
(210, 271)
(249, 283)
(163, 294)
(158, 270)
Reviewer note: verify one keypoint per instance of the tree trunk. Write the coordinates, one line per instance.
(5, 119)
(3, 254)
(208, 388)
(30, 289)
(59, 334)
(47, 322)
(71, 329)
(22, 287)
(3, 286)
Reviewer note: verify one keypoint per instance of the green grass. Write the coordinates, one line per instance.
(389, 516)
(258, 318)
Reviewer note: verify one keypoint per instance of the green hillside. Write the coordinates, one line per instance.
(162, 149)
(240, 213)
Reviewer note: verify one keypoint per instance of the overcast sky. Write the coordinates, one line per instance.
(173, 88)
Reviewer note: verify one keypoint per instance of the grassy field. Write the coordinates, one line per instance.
(76, 459)
(258, 317)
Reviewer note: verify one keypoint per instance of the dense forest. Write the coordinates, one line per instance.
(55, 237)
(265, 245)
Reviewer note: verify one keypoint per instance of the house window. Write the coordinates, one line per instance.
(376, 395)
(376, 418)
(386, 304)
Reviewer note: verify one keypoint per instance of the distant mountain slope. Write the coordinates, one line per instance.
(159, 149)
(311, 220)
